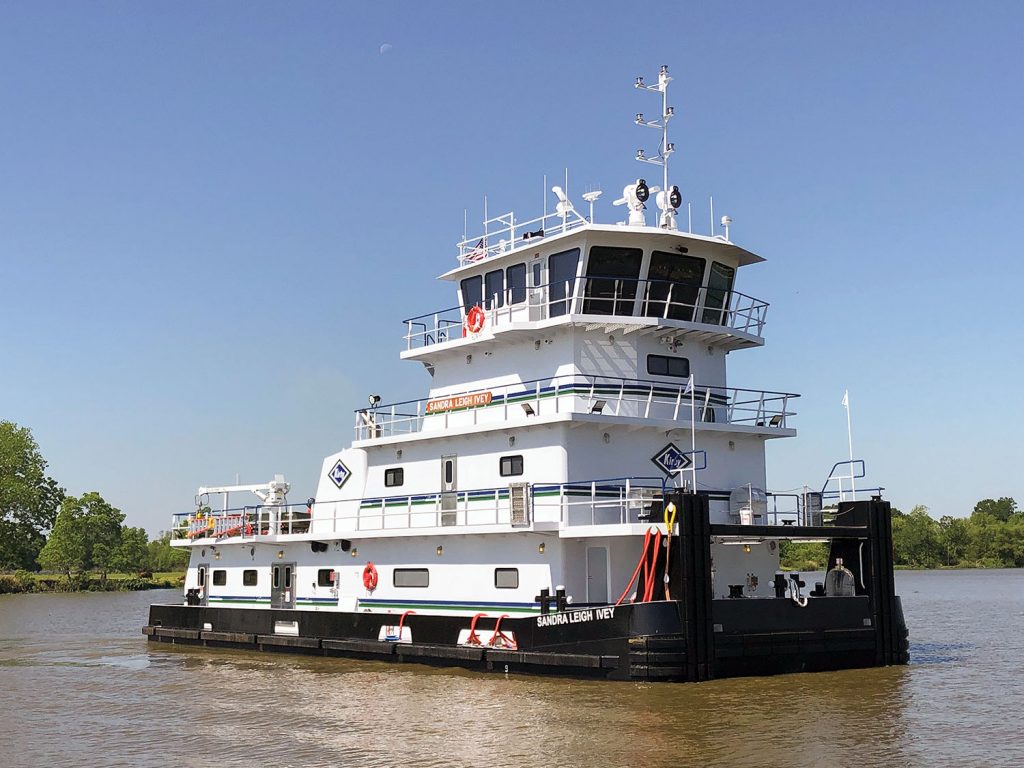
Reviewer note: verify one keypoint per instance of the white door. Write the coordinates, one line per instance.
(597, 575)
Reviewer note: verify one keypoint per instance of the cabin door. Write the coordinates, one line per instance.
(203, 579)
(597, 575)
(449, 490)
(537, 280)
(282, 585)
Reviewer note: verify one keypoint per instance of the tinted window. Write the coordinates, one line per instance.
(394, 477)
(202, 577)
(673, 285)
(412, 577)
(494, 289)
(472, 292)
(277, 576)
(661, 365)
(511, 466)
(449, 470)
(249, 578)
(325, 577)
(717, 299)
(287, 577)
(515, 283)
(612, 275)
(506, 578)
(220, 577)
(562, 279)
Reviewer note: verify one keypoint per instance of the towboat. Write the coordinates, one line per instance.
(581, 492)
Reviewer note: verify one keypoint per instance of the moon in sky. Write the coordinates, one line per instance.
(385, 48)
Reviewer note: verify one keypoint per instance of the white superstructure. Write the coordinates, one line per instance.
(581, 370)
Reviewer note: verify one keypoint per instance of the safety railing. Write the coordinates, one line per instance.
(595, 502)
(654, 299)
(610, 501)
(603, 395)
(504, 233)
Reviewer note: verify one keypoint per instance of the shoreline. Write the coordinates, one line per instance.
(23, 582)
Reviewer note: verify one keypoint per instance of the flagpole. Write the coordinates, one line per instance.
(849, 438)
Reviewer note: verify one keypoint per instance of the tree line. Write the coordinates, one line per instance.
(992, 537)
(43, 527)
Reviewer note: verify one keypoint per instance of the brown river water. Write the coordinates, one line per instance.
(80, 686)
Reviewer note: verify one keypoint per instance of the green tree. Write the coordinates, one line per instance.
(29, 499)
(66, 548)
(1001, 509)
(103, 524)
(916, 539)
(955, 537)
(133, 554)
(164, 557)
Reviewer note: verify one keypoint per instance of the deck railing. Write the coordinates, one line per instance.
(626, 500)
(596, 502)
(597, 296)
(577, 393)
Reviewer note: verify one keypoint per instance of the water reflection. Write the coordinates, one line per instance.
(79, 685)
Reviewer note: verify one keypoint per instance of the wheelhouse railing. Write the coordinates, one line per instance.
(655, 299)
(577, 393)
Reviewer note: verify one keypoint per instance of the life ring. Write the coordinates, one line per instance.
(370, 577)
(475, 319)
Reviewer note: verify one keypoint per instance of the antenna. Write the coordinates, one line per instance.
(665, 149)
(726, 221)
(590, 197)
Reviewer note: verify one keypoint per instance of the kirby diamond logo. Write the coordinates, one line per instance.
(339, 474)
(670, 459)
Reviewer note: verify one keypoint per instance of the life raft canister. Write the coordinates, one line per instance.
(475, 319)
(370, 577)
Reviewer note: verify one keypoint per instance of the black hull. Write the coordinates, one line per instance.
(690, 638)
(641, 642)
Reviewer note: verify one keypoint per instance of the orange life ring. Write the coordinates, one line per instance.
(370, 577)
(475, 319)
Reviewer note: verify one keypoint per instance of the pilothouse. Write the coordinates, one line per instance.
(581, 491)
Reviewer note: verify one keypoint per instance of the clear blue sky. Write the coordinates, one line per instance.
(213, 217)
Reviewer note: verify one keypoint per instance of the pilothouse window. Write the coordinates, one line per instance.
(716, 303)
(515, 283)
(612, 275)
(472, 292)
(562, 277)
(673, 285)
(494, 289)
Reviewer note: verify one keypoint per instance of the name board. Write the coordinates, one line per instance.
(457, 402)
(575, 617)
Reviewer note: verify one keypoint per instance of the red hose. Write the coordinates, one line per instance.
(649, 575)
(639, 565)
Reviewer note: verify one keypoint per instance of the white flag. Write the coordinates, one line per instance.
(846, 399)
(689, 385)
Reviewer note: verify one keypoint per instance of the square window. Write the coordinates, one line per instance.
(249, 577)
(411, 577)
(220, 577)
(394, 477)
(325, 577)
(511, 466)
(506, 578)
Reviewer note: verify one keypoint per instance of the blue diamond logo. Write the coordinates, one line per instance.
(339, 473)
(670, 459)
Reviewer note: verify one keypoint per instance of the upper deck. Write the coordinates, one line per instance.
(636, 278)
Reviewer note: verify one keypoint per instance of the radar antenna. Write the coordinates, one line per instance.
(668, 198)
